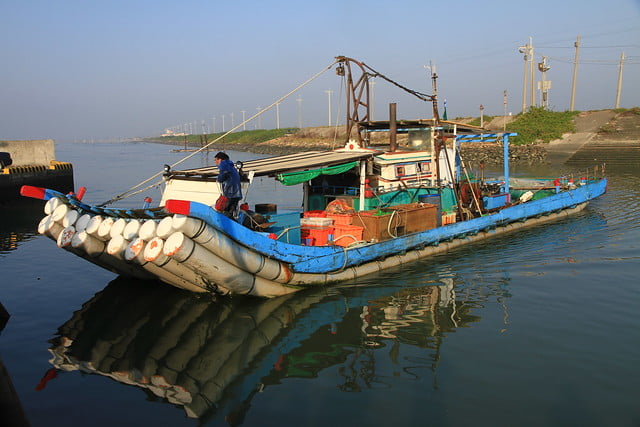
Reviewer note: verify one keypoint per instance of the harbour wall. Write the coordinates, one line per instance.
(33, 163)
(30, 152)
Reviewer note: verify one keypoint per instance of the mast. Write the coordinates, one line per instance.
(440, 143)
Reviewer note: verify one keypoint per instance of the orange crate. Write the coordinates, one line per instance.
(316, 236)
(341, 219)
(315, 214)
(348, 234)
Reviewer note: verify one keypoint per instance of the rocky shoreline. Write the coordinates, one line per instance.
(473, 154)
(588, 126)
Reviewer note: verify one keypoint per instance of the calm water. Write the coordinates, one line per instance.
(535, 328)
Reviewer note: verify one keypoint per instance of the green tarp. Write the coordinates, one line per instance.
(294, 178)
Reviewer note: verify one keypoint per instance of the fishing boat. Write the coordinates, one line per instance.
(364, 207)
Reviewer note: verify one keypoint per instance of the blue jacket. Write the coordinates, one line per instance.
(230, 179)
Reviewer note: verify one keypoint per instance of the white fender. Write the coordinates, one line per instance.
(70, 218)
(82, 222)
(148, 230)
(59, 213)
(104, 231)
(49, 227)
(131, 230)
(118, 227)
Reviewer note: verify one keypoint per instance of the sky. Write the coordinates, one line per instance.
(75, 70)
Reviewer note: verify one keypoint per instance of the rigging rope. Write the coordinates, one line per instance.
(130, 192)
(420, 95)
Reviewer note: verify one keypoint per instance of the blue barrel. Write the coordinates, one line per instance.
(433, 199)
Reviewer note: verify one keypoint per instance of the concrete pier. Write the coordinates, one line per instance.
(33, 162)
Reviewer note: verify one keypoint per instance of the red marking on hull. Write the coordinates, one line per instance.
(178, 206)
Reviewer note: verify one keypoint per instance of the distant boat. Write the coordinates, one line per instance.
(365, 209)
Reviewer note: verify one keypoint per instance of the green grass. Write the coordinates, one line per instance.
(485, 118)
(539, 125)
(244, 137)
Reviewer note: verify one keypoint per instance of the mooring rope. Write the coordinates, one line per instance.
(129, 192)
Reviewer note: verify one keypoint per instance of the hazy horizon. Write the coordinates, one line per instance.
(79, 70)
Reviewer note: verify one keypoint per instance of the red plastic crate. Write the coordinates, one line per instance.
(341, 219)
(318, 236)
(314, 214)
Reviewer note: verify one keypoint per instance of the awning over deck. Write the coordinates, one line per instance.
(280, 165)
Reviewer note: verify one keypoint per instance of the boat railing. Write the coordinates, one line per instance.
(285, 232)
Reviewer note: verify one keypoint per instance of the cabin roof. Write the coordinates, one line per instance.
(272, 166)
(404, 126)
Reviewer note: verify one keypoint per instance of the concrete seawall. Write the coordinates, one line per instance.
(33, 162)
(30, 152)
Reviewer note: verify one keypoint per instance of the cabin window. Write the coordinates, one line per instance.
(425, 167)
(400, 170)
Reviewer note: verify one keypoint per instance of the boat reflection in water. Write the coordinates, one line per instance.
(212, 357)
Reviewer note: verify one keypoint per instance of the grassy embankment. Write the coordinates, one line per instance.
(242, 138)
(537, 125)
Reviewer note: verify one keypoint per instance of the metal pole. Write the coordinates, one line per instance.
(532, 95)
(575, 75)
(299, 112)
(505, 153)
(393, 127)
(504, 110)
(619, 89)
(329, 92)
(524, 49)
(372, 84)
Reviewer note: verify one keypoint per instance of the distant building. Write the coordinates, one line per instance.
(171, 132)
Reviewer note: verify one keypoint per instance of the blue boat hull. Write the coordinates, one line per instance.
(326, 259)
(191, 246)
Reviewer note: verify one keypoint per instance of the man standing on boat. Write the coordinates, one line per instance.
(229, 178)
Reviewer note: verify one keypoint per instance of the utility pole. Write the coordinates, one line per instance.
(223, 127)
(299, 112)
(532, 95)
(244, 125)
(619, 89)
(575, 75)
(504, 111)
(481, 115)
(525, 50)
(329, 92)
